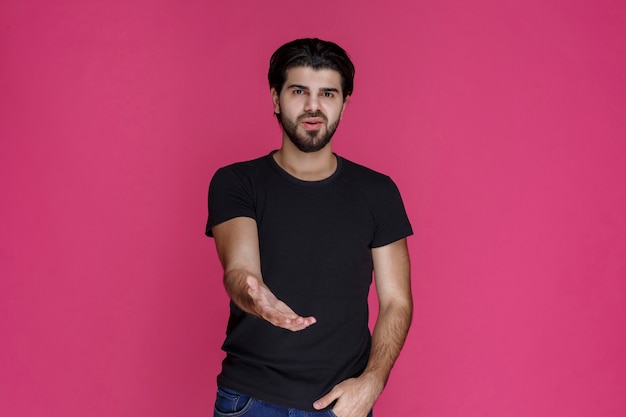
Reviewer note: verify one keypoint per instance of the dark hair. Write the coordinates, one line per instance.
(314, 53)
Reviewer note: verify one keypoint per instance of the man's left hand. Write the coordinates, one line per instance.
(355, 396)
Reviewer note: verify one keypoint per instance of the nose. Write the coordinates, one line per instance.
(312, 103)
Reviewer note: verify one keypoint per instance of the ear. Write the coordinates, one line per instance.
(343, 108)
(275, 100)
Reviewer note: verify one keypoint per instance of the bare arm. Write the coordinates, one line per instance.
(393, 285)
(356, 396)
(237, 246)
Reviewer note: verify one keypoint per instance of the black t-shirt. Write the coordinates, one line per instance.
(315, 240)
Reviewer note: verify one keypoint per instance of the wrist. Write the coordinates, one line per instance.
(375, 379)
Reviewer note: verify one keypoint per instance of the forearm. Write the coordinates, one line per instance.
(388, 338)
(356, 396)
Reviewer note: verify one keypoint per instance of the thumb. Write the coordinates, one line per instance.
(327, 399)
(253, 283)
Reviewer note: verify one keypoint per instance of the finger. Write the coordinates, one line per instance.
(294, 324)
(327, 399)
(308, 321)
(281, 315)
(302, 323)
(297, 324)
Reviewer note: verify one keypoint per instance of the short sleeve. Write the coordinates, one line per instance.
(230, 196)
(392, 222)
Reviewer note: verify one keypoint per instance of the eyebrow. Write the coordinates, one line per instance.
(304, 87)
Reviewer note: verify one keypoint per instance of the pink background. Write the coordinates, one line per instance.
(502, 123)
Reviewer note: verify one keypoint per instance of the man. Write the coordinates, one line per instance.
(298, 233)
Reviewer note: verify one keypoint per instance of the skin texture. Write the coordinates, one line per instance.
(321, 102)
(292, 103)
(310, 92)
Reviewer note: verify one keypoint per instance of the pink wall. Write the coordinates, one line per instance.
(502, 122)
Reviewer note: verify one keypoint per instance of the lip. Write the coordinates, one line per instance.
(312, 123)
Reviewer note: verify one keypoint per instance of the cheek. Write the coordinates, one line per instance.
(335, 113)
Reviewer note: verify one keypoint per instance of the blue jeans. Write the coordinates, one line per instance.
(230, 403)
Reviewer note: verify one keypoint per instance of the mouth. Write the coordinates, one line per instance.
(312, 123)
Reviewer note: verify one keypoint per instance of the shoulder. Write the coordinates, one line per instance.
(242, 171)
(376, 188)
(245, 166)
(365, 176)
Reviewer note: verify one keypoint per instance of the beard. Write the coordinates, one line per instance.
(309, 140)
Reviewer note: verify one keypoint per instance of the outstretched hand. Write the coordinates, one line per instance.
(270, 308)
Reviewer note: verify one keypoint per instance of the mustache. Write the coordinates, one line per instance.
(313, 114)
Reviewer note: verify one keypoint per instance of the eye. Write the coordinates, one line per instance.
(298, 92)
(328, 94)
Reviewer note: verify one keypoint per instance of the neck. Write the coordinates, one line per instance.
(306, 166)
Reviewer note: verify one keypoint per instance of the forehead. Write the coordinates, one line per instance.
(313, 78)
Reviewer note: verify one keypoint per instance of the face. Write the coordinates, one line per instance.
(310, 106)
